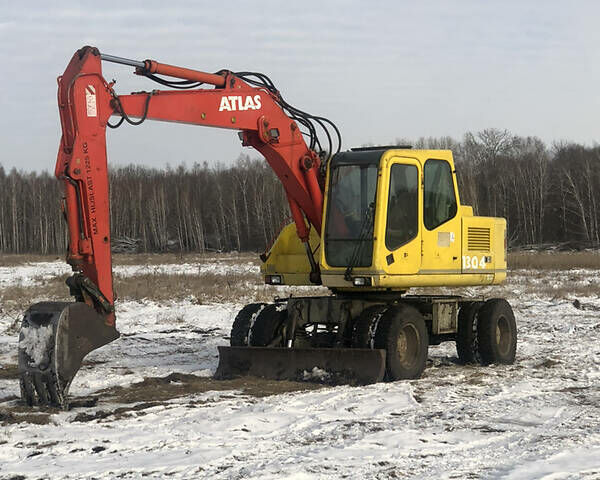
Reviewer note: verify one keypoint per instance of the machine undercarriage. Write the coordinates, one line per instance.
(364, 339)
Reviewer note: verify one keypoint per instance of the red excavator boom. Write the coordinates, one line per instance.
(247, 102)
(87, 101)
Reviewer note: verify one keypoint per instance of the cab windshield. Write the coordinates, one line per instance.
(351, 214)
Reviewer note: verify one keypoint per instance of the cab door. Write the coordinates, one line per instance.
(441, 223)
(400, 227)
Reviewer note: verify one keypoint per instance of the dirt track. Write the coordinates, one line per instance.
(118, 402)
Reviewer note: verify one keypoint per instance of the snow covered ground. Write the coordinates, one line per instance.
(538, 418)
(35, 273)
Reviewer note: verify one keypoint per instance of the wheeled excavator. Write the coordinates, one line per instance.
(369, 224)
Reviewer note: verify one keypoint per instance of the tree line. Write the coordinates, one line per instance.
(548, 194)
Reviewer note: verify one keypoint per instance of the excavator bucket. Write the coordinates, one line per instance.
(357, 366)
(54, 339)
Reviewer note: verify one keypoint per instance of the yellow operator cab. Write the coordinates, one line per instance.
(393, 220)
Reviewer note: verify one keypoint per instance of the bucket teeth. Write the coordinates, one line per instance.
(41, 389)
(54, 339)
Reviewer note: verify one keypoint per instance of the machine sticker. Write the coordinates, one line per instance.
(233, 103)
(89, 182)
(473, 263)
(444, 239)
(90, 101)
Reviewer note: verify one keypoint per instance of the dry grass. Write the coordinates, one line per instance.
(516, 260)
(177, 258)
(11, 260)
(553, 260)
(15, 299)
(248, 286)
(161, 287)
(204, 288)
(568, 291)
(568, 283)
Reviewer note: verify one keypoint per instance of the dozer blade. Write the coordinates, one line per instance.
(54, 339)
(343, 365)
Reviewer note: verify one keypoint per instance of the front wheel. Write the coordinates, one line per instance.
(363, 334)
(403, 334)
(242, 323)
(497, 332)
(266, 331)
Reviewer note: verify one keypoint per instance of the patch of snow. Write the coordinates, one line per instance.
(316, 374)
(573, 463)
(252, 321)
(34, 342)
(32, 273)
(35, 273)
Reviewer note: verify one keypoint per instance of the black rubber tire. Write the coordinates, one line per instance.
(267, 325)
(497, 332)
(402, 332)
(466, 337)
(363, 333)
(241, 324)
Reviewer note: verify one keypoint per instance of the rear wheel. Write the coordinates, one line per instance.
(466, 337)
(241, 325)
(403, 334)
(267, 327)
(497, 332)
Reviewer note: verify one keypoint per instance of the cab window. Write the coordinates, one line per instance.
(439, 201)
(350, 217)
(402, 219)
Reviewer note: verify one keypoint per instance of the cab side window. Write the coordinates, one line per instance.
(439, 201)
(403, 206)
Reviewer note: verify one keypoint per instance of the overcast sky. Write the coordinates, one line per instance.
(379, 70)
